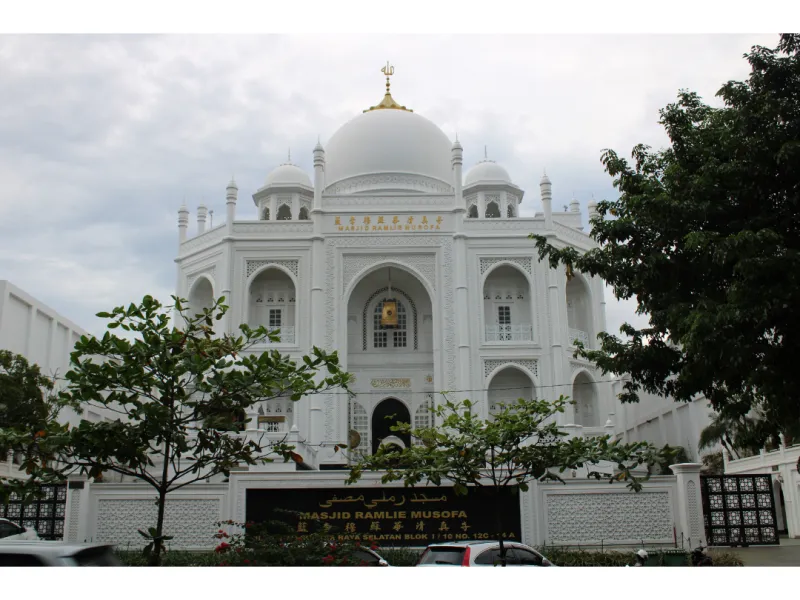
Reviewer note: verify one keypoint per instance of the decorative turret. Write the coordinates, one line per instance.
(457, 160)
(202, 214)
(183, 222)
(592, 208)
(546, 189)
(574, 205)
(230, 202)
(319, 175)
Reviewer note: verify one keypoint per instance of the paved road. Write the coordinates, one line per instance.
(787, 554)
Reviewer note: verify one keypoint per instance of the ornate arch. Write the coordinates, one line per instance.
(193, 279)
(490, 263)
(421, 266)
(253, 268)
(529, 366)
(366, 312)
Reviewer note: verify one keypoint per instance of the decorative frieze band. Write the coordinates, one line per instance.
(524, 262)
(385, 383)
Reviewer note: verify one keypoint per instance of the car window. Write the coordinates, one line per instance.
(96, 557)
(361, 555)
(442, 556)
(8, 529)
(491, 557)
(20, 560)
(526, 557)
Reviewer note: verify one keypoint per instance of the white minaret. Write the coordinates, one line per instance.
(457, 160)
(319, 176)
(546, 189)
(202, 213)
(592, 209)
(183, 223)
(574, 205)
(230, 203)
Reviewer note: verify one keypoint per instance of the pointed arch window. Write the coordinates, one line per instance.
(473, 212)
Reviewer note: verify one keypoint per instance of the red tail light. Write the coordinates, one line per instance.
(465, 561)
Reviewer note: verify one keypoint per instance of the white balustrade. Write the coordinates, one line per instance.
(509, 333)
(286, 335)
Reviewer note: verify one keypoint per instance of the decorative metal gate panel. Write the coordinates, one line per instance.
(739, 510)
(45, 515)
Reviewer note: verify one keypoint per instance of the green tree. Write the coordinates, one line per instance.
(704, 235)
(521, 443)
(28, 404)
(180, 394)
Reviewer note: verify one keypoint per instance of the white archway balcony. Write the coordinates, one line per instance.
(507, 306)
(272, 304)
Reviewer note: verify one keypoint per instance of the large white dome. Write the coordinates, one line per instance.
(388, 141)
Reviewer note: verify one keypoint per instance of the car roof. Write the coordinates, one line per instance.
(473, 543)
(43, 547)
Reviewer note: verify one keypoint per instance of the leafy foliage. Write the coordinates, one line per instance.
(713, 464)
(180, 395)
(521, 443)
(704, 235)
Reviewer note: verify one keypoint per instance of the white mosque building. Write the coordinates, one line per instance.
(420, 275)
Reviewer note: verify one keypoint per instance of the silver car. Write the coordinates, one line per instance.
(481, 554)
(22, 553)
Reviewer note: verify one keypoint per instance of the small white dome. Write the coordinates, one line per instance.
(288, 174)
(388, 141)
(487, 171)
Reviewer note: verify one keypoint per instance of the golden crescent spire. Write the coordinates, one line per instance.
(388, 101)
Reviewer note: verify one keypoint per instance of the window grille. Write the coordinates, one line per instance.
(274, 318)
(390, 337)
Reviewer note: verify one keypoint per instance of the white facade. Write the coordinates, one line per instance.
(389, 216)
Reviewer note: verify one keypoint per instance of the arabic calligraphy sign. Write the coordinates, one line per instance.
(394, 516)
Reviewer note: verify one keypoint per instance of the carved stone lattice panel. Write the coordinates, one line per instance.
(524, 262)
(387, 383)
(694, 512)
(190, 521)
(493, 364)
(255, 265)
(578, 365)
(354, 264)
(74, 515)
(591, 517)
(526, 225)
(365, 182)
(273, 227)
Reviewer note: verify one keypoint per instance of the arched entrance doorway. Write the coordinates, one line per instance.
(387, 414)
(390, 352)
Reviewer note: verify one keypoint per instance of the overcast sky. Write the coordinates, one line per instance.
(103, 137)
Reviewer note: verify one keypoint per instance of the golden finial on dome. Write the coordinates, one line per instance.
(388, 101)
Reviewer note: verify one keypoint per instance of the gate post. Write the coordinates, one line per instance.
(690, 503)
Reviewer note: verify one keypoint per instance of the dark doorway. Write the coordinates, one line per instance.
(386, 415)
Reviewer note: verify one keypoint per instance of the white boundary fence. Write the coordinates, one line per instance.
(581, 512)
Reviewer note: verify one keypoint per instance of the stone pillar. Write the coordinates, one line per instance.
(232, 193)
(314, 415)
(557, 307)
(295, 206)
(462, 292)
(273, 207)
(689, 518)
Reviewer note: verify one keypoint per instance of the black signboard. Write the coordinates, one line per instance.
(394, 516)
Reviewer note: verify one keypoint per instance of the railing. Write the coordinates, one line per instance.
(272, 424)
(509, 333)
(577, 334)
(286, 335)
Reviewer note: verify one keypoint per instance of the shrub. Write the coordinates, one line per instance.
(401, 557)
(726, 559)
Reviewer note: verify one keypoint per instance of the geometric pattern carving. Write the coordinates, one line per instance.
(524, 262)
(352, 265)
(190, 521)
(493, 364)
(694, 510)
(74, 514)
(738, 509)
(259, 228)
(204, 240)
(254, 265)
(387, 201)
(585, 517)
(391, 383)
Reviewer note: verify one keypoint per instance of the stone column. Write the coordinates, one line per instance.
(689, 518)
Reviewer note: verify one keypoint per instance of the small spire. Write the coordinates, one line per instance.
(485, 153)
(289, 155)
(388, 101)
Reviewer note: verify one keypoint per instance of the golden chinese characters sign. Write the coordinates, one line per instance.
(379, 223)
(393, 516)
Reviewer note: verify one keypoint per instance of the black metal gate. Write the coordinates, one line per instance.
(739, 510)
(46, 515)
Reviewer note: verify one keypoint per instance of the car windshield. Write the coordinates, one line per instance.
(442, 556)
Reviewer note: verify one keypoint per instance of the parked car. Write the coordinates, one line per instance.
(11, 531)
(372, 558)
(481, 554)
(24, 553)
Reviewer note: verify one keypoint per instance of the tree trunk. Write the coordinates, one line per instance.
(155, 555)
(498, 523)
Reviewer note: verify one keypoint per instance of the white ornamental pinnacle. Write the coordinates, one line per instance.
(457, 154)
(592, 207)
(183, 222)
(232, 191)
(574, 205)
(202, 214)
(319, 155)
